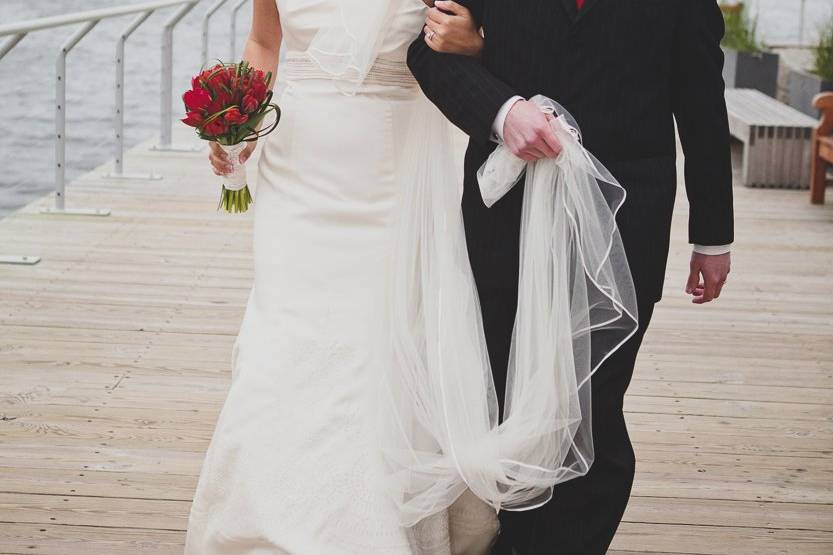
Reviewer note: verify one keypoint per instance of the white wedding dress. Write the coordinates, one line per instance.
(294, 466)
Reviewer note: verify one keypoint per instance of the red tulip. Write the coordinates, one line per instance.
(216, 128)
(196, 99)
(259, 89)
(194, 119)
(249, 103)
(234, 117)
(222, 100)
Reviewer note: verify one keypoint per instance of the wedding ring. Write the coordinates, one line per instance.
(430, 35)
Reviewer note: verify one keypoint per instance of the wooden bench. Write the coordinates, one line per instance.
(822, 147)
(776, 139)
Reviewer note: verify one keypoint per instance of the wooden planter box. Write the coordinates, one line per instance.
(803, 87)
(744, 70)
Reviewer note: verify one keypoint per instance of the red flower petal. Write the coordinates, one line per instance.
(196, 99)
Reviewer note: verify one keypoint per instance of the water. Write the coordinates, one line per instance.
(27, 87)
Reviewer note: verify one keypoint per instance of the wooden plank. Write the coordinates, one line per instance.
(717, 512)
(115, 352)
(51, 539)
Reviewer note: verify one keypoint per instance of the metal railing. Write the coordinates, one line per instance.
(11, 34)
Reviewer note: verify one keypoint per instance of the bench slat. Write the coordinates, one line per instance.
(776, 139)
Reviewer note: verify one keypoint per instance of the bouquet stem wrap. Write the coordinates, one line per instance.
(235, 196)
(442, 433)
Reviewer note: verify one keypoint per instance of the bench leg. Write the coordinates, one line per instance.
(819, 177)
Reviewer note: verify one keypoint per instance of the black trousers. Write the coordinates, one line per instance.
(585, 512)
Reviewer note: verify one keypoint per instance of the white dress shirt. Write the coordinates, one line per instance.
(497, 136)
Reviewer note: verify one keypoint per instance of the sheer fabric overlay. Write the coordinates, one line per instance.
(576, 305)
(439, 427)
(348, 48)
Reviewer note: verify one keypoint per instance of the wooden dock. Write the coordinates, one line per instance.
(114, 362)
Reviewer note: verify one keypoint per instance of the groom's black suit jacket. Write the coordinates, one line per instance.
(625, 69)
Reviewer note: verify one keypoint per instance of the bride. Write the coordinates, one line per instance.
(361, 417)
(291, 468)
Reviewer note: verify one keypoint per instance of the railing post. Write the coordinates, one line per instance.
(60, 126)
(801, 14)
(233, 28)
(166, 93)
(12, 34)
(118, 125)
(8, 44)
(205, 28)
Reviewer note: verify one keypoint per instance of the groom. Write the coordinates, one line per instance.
(626, 69)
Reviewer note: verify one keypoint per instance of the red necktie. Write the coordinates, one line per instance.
(580, 4)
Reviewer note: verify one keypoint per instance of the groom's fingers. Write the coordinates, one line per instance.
(542, 149)
(537, 152)
(552, 142)
(693, 278)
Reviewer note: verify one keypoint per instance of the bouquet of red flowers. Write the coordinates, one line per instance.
(227, 104)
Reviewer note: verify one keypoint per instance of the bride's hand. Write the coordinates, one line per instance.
(450, 28)
(219, 159)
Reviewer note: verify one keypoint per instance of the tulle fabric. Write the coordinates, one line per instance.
(348, 47)
(576, 305)
(439, 426)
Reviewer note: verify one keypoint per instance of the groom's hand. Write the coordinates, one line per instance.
(527, 133)
(707, 276)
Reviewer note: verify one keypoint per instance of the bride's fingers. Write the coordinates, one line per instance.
(438, 17)
(221, 166)
(452, 7)
(247, 152)
(217, 150)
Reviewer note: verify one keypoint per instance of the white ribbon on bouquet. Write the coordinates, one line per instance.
(235, 180)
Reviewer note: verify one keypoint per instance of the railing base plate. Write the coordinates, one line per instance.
(133, 176)
(21, 260)
(76, 211)
(177, 148)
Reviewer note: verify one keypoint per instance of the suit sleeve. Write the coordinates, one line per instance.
(700, 111)
(460, 86)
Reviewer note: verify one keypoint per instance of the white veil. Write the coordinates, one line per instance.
(348, 48)
(440, 430)
(576, 306)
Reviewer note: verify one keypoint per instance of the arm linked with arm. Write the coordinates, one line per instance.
(460, 86)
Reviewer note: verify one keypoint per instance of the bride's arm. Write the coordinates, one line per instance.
(451, 28)
(261, 51)
(264, 42)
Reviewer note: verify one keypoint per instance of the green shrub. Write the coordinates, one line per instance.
(741, 31)
(824, 52)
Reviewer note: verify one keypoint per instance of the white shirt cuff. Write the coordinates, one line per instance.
(500, 120)
(712, 249)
